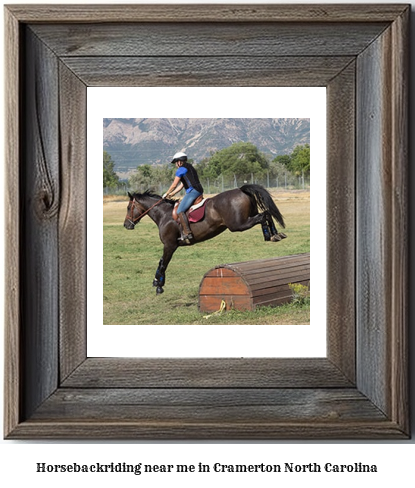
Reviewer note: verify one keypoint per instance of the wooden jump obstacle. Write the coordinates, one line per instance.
(246, 285)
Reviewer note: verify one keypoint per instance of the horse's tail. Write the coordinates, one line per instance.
(261, 197)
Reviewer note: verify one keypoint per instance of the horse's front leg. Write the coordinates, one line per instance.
(160, 277)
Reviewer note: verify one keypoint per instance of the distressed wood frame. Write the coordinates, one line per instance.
(359, 52)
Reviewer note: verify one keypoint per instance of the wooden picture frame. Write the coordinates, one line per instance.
(360, 53)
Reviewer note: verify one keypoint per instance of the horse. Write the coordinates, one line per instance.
(237, 210)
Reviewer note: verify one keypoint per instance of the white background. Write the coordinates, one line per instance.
(394, 459)
(207, 340)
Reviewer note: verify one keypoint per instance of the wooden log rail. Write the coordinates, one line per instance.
(247, 285)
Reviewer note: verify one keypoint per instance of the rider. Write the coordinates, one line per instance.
(185, 177)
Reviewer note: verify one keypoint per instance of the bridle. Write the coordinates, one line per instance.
(134, 204)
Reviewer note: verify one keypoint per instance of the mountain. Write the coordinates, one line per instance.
(133, 142)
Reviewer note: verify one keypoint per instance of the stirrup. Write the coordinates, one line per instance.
(186, 238)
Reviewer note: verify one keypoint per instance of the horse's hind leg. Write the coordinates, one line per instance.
(238, 226)
(268, 227)
(270, 231)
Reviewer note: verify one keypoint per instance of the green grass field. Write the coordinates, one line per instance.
(131, 259)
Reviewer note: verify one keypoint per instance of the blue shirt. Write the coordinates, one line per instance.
(180, 173)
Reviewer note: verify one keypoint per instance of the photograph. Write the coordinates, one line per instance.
(220, 197)
(241, 256)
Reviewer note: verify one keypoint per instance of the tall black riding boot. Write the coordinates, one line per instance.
(185, 227)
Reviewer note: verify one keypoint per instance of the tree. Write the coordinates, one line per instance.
(240, 159)
(277, 167)
(208, 168)
(163, 175)
(300, 160)
(284, 159)
(110, 178)
(143, 178)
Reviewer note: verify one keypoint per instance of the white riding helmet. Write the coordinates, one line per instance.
(179, 156)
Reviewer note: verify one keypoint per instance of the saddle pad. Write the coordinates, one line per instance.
(200, 204)
(197, 212)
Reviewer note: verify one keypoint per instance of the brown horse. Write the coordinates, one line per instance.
(236, 210)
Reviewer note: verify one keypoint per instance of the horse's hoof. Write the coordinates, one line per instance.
(282, 235)
(276, 238)
(159, 290)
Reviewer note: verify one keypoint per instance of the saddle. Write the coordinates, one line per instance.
(196, 212)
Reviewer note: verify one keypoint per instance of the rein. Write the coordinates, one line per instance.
(135, 222)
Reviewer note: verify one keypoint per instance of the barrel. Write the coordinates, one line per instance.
(247, 285)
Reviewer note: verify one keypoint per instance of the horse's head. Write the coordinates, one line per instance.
(134, 212)
(141, 204)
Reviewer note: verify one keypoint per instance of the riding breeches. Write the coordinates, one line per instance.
(188, 200)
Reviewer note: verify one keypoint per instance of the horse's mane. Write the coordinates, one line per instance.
(150, 193)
